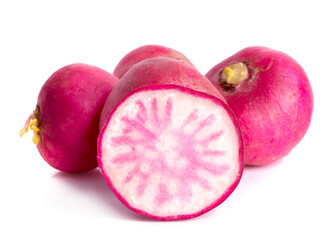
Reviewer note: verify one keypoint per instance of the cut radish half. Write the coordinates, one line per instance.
(169, 152)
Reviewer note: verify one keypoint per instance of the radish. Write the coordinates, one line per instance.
(169, 149)
(272, 98)
(66, 119)
(145, 52)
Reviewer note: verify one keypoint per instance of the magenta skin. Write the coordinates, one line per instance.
(274, 105)
(145, 52)
(163, 86)
(69, 106)
(158, 71)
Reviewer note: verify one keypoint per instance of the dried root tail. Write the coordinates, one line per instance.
(32, 123)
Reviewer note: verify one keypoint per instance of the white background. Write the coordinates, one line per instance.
(291, 199)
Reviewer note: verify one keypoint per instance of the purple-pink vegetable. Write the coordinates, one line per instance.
(148, 51)
(168, 148)
(272, 98)
(66, 119)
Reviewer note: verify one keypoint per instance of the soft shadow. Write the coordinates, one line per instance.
(265, 168)
(95, 187)
(253, 175)
(271, 165)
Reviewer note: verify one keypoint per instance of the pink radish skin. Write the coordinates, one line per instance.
(169, 152)
(67, 112)
(145, 52)
(273, 104)
(151, 72)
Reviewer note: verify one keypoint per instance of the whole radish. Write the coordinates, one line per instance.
(66, 119)
(145, 52)
(272, 98)
(169, 149)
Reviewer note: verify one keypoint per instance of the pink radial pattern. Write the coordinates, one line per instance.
(159, 147)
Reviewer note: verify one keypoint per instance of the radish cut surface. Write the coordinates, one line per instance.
(169, 152)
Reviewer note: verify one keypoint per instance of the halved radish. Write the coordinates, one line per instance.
(170, 152)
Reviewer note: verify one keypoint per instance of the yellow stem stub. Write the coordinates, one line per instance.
(235, 73)
(32, 123)
(230, 74)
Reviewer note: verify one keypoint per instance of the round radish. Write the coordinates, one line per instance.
(169, 152)
(66, 119)
(272, 98)
(145, 52)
